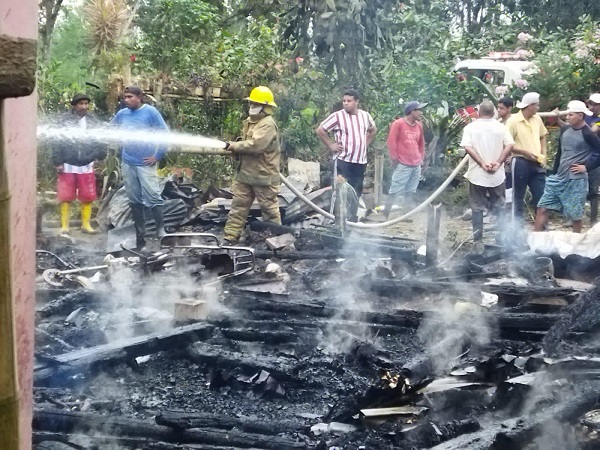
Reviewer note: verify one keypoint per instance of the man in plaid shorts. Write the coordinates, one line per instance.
(578, 154)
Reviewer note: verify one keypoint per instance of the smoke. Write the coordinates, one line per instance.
(553, 434)
(451, 328)
(556, 435)
(137, 301)
(351, 305)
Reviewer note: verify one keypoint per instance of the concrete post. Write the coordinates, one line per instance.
(18, 34)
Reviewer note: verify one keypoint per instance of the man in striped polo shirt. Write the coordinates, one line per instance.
(353, 131)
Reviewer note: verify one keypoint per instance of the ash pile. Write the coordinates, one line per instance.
(311, 338)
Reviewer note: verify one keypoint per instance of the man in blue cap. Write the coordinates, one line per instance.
(406, 146)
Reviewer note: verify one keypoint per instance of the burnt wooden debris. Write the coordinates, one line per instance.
(395, 355)
(65, 301)
(125, 350)
(514, 433)
(184, 421)
(47, 419)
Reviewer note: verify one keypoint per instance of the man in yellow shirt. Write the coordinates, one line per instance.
(529, 152)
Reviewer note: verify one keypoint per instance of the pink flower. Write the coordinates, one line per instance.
(524, 37)
(299, 59)
(521, 84)
(524, 54)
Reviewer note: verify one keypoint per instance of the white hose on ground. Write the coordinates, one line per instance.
(419, 208)
(328, 215)
(304, 199)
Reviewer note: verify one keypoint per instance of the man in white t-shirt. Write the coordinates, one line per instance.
(488, 143)
(353, 131)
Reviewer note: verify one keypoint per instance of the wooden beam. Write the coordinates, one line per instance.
(414, 411)
(9, 388)
(54, 420)
(126, 349)
(433, 235)
(378, 178)
(195, 98)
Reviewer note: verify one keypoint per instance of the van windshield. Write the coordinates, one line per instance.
(488, 76)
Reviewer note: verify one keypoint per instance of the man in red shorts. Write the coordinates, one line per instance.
(74, 163)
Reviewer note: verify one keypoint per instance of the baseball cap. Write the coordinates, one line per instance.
(78, 97)
(134, 90)
(595, 98)
(576, 106)
(411, 106)
(528, 99)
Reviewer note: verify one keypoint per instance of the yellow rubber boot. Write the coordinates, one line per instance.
(86, 215)
(64, 217)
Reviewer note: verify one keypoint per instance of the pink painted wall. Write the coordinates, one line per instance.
(19, 18)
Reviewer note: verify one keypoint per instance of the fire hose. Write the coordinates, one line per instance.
(302, 197)
(411, 213)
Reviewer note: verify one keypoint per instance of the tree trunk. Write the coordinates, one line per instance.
(50, 9)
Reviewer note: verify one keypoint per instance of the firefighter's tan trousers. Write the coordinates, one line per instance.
(243, 196)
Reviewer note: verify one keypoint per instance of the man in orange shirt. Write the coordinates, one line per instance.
(406, 146)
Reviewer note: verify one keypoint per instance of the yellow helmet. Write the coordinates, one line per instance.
(261, 95)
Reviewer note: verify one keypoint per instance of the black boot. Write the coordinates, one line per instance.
(139, 221)
(159, 220)
(477, 225)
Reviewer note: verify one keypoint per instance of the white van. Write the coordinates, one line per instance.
(498, 69)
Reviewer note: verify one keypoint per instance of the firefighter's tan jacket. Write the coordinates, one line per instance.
(259, 152)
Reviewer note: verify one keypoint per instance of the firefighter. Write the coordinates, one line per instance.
(257, 173)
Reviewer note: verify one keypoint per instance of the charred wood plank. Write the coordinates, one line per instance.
(376, 247)
(184, 420)
(407, 318)
(583, 315)
(399, 288)
(529, 291)
(281, 368)
(46, 419)
(404, 318)
(253, 335)
(127, 349)
(430, 434)
(526, 321)
(98, 441)
(515, 433)
(67, 302)
(302, 330)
